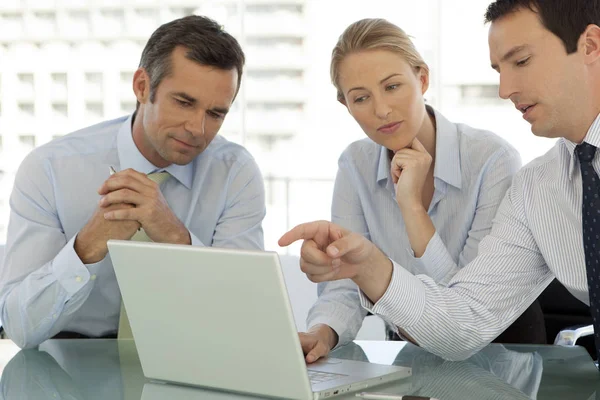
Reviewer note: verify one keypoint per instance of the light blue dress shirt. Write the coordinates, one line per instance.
(536, 236)
(473, 169)
(44, 286)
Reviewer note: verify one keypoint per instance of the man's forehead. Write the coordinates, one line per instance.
(510, 39)
(521, 27)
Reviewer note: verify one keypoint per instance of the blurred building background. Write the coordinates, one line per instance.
(66, 64)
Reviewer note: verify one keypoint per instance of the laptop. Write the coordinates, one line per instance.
(221, 319)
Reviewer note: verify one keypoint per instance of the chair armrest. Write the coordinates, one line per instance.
(568, 337)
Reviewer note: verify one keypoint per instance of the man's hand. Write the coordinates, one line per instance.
(90, 243)
(317, 342)
(409, 169)
(151, 210)
(330, 252)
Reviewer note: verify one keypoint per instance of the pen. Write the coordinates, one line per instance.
(388, 396)
(112, 170)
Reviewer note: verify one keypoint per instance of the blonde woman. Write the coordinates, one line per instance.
(422, 188)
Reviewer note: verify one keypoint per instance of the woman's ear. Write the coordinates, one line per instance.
(342, 101)
(341, 98)
(423, 76)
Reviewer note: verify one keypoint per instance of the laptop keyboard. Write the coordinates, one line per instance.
(320, 377)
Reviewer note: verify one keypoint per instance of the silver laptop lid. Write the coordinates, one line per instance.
(211, 317)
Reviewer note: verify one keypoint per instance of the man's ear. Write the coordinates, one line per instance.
(590, 41)
(141, 85)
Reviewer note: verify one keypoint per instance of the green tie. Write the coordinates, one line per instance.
(140, 236)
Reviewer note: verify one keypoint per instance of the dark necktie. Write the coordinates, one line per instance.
(591, 232)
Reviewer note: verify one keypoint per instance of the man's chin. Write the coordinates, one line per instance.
(543, 132)
(182, 159)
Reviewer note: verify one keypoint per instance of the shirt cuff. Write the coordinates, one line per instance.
(195, 241)
(436, 262)
(402, 303)
(69, 270)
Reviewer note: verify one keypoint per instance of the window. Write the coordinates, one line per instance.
(126, 84)
(58, 85)
(43, 23)
(11, 25)
(109, 23)
(127, 107)
(60, 110)
(77, 24)
(94, 85)
(474, 94)
(94, 111)
(27, 140)
(26, 109)
(59, 78)
(26, 83)
(144, 20)
(178, 12)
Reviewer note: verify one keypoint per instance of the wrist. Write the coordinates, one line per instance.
(326, 333)
(411, 206)
(88, 253)
(183, 236)
(375, 276)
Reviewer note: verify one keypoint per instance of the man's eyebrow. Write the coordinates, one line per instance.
(220, 110)
(191, 100)
(185, 96)
(511, 53)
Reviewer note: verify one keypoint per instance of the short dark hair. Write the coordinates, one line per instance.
(567, 19)
(207, 44)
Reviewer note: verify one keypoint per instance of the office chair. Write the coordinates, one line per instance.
(568, 320)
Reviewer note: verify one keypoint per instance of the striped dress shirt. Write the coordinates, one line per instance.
(536, 236)
(473, 169)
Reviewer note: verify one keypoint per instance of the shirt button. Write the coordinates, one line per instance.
(78, 279)
(93, 277)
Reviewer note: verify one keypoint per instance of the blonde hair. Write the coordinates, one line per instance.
(373, 34)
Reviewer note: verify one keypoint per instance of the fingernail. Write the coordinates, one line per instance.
(335, 263)
(310, 358)
(333, 251)
(107, 215)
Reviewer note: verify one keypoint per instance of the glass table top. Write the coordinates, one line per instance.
(110, 369)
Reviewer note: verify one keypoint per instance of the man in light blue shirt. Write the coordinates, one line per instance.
(57, 277)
